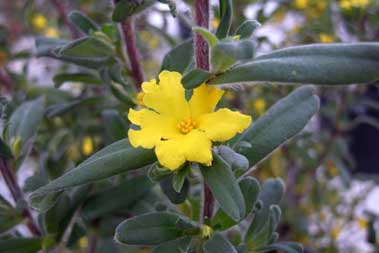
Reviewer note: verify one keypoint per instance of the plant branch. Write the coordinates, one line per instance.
(17, 195)
(132, 51)
(63, 13)
(202, 62)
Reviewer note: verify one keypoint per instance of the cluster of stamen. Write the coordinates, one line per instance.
(186, 125)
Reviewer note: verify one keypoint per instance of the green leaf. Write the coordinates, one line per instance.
(24, 121)
(224, 187)
(238, 162)
(9, 217)
(246, 29)
(87, 78)
(217, 243)
(154, 229)
(271, 194)
(238, 50)
(167, 186)
(117, 197)
(46, 46)
(83, 22)
(289, 247)
(115, 125)
(179, 245)
(59, 109)
(21, 245)
(329, 64)
(114, 159)
(226, 15)
(195, 78)
(5, 151)
(179, 178)
(179, 58)
(250, 189)
(281, 122)
(209, 37)
(126, 8)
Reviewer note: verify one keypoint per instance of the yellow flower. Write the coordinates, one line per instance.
(215, 23)
(259, 106)
(87, 146)
(139, 97)
(326, 38)
(83, 242)
(39, 21)
(51, 32)
(301, 4)
(182, 130)
(362, 223)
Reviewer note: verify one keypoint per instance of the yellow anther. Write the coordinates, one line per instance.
(186, 125)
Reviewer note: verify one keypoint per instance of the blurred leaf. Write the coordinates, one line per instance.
(59, 109)
(21, 245)
(5, 151)
(116, 198)
(224, 187)
(238, 50)
(317, 64)
(195, 78)
(115, 125)
(179, 178)
(282, 121)
(116, 158)
(126, 8)
(217, 243)
(24, 121)
(9, 217)
(209, 37)
(179, 58)
(154, 228)
(45, 46)
(83, 22)
(87, 78)
(289, 247)
(179, 245)
(246, 29)
(226, 15)
(271, 194)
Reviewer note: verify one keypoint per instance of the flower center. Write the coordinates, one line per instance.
(186, 125)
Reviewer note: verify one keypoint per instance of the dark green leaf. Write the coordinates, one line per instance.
(179, 58)
(238, 162)
(9, 217)
(5, 151)
(217, 243)
(282, 121)
(45, 46)
(154, 229)
(224, 187)
(115, 125)
(329, 64)
(59, 109)
(226, 15)
(83, 22)
(195, 78)
(116, 198)
(178, 245)
(21, 245)
(126, 8)
(238, 50)
(116, 158)
(168, 189)
(246, 29)
(289, 247)
(179, 178)
(88, 78)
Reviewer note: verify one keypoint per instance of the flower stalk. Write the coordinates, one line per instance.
(17, 195)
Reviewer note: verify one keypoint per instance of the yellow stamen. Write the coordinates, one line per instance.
(186, 125)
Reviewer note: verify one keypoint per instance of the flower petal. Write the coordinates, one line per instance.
(194, 146)
(223, 124)
(167, 97)
(204, 99)
(153, 126)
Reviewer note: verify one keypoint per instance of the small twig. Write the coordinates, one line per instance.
(133, 52)
(17, 195)
(63, 13)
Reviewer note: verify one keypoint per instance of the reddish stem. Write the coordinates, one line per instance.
(5, 80)
(17, 195)
(202, 62)
(133, 52)
(63, 13)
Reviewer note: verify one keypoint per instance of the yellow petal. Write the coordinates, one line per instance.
(223, 124)
(167, 97)
(153, 126)
(204, 99)
(194, 147)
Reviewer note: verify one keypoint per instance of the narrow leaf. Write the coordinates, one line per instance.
(246, 29)
(217, 243)
(195, 78)
(226, 15)
(83, 22)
